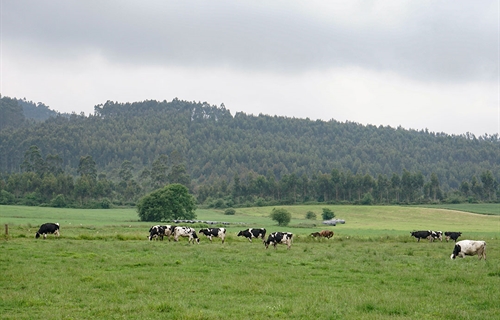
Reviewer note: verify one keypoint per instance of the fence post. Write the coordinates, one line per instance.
(6, 231)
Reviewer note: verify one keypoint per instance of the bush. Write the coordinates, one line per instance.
(6, 197)
(58, 202)
(105, 203)
(32, 199)
(230, 212)
(310, 215)
(367, 199)
(281, 216)
(327, 214)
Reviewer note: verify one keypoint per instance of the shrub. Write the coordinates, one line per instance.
(6, 197)
(310, 215)
(327, 214)
(367, 199)
(230, 212)
(58, 202)
(281, 216)
(32, 199)
(105, 203)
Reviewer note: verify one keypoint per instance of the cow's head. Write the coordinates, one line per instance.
(456, 251)
(195, 237)
(269, 240)
(37, 235)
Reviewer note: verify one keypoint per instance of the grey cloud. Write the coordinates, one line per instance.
(451, 40)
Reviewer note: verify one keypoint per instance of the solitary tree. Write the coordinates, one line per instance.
(281, 216)
(171, 202)
(310, 215)
(327, 214)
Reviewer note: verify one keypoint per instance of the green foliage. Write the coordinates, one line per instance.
(59, 201)
(327, 214)
(310, 215)
(105, 203)
(37, 111)
(6, 197)
(171, 202)
(32, 199)
(11, 113)
(230, 212)
(282, 216)
(294, 161)
(367, 199)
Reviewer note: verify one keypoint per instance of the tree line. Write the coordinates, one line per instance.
(135, 148)
(44, 182)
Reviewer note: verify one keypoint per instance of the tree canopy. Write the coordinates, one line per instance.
(282, 216)
(170, 202)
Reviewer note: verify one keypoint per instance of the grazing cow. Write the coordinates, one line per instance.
(214, 232)
(159, 231)
(452, 235)
(422, 235)
(469, 248)
(186, 232)
(279, 237)
(46, 228)
(253, 233)
(156, 232)
(436, 235)
(169, 231)
(323, 233)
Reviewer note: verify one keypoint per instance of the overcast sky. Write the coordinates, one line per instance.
(417, 64)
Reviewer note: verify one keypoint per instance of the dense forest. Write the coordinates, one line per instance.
(124, 150)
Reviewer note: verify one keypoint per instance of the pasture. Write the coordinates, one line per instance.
(103, 267)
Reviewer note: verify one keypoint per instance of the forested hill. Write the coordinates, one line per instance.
(17, 112)
(214, 146)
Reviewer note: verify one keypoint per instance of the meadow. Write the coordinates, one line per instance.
(103, 267)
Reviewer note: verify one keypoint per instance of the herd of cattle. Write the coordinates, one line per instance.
(462, 248)
(275, 238)
(435, 235)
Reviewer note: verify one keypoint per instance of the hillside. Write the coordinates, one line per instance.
(214, 147)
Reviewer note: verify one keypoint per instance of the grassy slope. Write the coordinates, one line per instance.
(482, 208)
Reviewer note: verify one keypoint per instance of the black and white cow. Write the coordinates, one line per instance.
(469, 248)
(452, 235)
(422, 235)
(214, 232)
(253, 233)
(186, 232)
(436, 235)
(160, 231)
(169, 231)
(46, 228)
(279, 238)
(156, 232)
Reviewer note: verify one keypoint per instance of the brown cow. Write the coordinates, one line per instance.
(323, 233)
(326, 233)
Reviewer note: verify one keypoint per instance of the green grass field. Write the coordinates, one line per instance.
(103, 267)
(482, 208)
